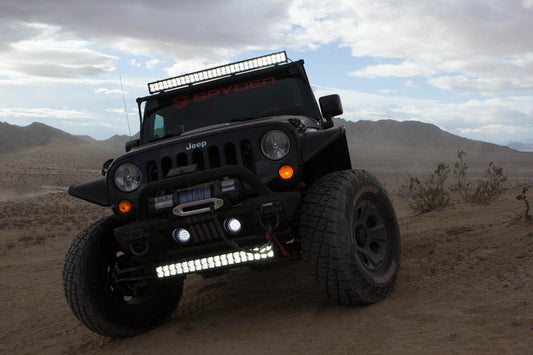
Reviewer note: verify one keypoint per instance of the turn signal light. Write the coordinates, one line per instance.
(286, 172)
(124, 206)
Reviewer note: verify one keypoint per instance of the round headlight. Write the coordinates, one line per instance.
(275, 145)
(127, 177)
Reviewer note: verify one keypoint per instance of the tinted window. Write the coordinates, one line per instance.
(241, 100)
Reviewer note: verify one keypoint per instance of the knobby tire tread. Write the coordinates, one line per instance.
(84, 301)
(324, 242)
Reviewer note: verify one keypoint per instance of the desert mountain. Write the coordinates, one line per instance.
(119, 139)
(411, 136)
(15, 138)
(524, 147)
(87, 138)
(383, 137)
(116, 140)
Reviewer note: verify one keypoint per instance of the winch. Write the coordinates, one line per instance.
(198, 199)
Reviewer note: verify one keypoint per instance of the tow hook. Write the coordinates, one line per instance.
(269, 220)
(138, 243)
(269, 215)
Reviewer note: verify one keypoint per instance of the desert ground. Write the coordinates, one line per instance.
(465, 283)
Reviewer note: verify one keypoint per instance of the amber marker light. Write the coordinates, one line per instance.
(124, 206)
(286, 172)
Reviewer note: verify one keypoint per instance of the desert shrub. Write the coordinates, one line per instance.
(491, 186)
(523, 197)
(460, 169)
(427, 196)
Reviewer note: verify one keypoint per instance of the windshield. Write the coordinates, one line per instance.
(239, 100)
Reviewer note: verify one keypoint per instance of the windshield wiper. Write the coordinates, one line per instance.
(168, 135)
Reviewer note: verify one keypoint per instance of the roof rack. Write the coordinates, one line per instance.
(217, 72)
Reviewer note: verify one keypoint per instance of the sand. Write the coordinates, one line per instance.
(465, 283)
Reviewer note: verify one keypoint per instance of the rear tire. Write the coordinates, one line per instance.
(109, 308)
(350, 237)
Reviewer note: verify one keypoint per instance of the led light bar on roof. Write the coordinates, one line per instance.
(215, 261)
(217, 72)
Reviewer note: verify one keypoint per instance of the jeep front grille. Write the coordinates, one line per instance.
(214, 156)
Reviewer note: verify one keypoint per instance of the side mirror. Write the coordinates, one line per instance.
(132, 144)
(330, 106)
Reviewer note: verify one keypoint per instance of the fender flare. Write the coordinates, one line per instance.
(92, 191)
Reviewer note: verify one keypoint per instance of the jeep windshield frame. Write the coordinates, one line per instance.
(283, 89)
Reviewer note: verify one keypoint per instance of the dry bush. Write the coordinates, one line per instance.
(491, 186)
(487, 189)
(460, 169)
(424, 197)
(523, 197)
(432, 193)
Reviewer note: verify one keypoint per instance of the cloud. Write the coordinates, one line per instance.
(527, 4)
(476, 47)
(177, 29)
(189, 66)
(409, 84)
(15, 31)
(405, 69)
(474, 119)
(491, 129)
(487, 42)
(432, 39)
(488, 86)
(45, 55)
(115, 110)
(88, 124)
(106, 91)
(134, 63)
(43, 112)
(151, 64)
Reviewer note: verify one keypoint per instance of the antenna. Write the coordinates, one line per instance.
(124, 101)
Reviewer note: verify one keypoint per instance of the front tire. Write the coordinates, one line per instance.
(113, 309)
(350, 237)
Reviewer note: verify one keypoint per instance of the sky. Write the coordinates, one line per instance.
(463, 65)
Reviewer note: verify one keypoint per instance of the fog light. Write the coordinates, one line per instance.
(181, 235)
(232, 225)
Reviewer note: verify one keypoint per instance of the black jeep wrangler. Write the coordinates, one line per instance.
(235, 165)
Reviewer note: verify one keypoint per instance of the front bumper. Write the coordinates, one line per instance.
(255, 214)
(140, 199)
(152, 239)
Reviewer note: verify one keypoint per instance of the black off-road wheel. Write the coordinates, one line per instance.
(113, 309)
(350, 237)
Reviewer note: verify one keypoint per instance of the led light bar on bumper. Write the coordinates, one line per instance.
(215, 261)
(217, 72)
